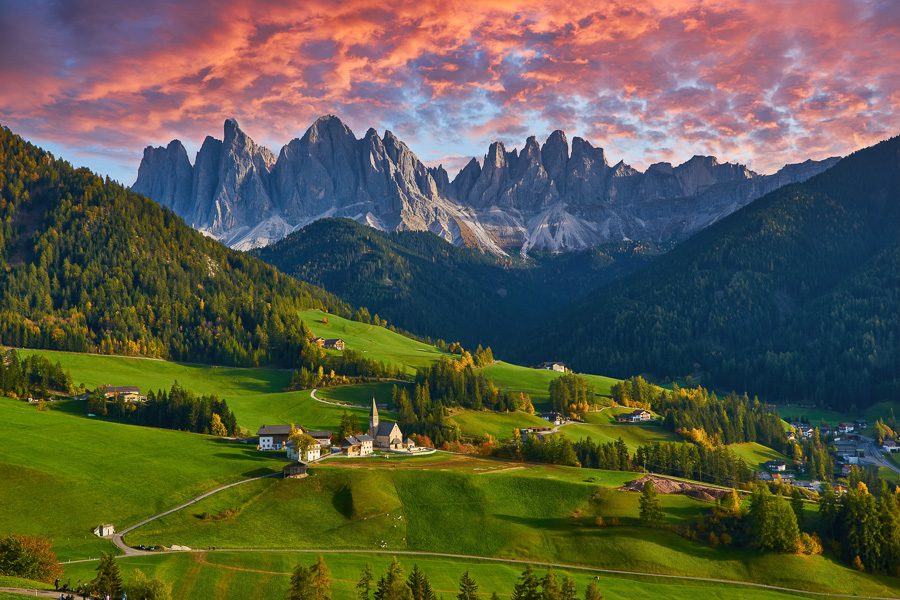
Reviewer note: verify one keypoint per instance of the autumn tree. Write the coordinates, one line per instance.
(28, 557)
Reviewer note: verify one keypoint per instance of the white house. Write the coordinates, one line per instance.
(890, 446)
(104, 530)
(635, 416)
(313, 452)
(554, 366)
(273, 437)
(357, 445)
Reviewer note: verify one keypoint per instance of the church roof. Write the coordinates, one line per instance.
(385, 428)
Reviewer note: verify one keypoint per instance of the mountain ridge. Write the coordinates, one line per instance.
(794, 296)
(542, 198)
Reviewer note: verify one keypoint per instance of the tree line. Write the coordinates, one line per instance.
(176, 408)
(33, 375)
(314, 582)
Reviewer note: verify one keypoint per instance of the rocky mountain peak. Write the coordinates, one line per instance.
(536, 197)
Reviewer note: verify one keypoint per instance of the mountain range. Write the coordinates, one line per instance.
(547, 197)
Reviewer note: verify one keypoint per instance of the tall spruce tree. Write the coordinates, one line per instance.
(468, 589)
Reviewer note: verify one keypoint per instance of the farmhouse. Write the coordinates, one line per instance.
(323, 437)
(635, 416)
(775, 466)
(385, 435)
(335, 344)
(128, 393)
(294, 470)
(273, 437)
(313, 453)
(846, 428)
(535, 431)
(890, 446)
(104, 530)
(357, 445)
(554, 366)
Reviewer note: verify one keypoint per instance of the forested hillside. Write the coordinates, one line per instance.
(87, 265)
(795, 297)
(421, 283)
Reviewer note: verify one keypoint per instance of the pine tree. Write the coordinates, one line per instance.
(529, 586)
(468, 589)
(392, 585)
(419, 585)
(108, 581)
(649, 504)
(593, 592)
(301, 584)
(550, 587)
(567, 591)
(364, 585)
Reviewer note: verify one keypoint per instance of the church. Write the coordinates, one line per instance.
(386, 435)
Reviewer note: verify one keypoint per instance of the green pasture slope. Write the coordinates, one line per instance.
(375, 342)
(264, 575)
(62, 473)
(602, 427)
(536, 382)
(471, 506)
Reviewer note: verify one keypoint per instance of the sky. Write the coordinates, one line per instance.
(758, 82)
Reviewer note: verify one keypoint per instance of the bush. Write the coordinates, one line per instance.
(142, 587)
(28, 557)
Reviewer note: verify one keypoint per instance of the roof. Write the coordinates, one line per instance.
(355, 440)
(333, 340)
(319, 434)
(121, 389)
(384, 428)
(274, 430)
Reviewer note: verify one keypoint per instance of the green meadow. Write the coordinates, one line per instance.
(462, 505)
(602, 427)
(755, 454)
(476, 423)
(65, 473)
(375, 342)
(536, 382)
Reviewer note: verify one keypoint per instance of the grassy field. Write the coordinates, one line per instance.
(375, 342)
(476, 423)
(602, 427)
(63, 473)
(814, 416)
(471, 506)
(536, 382)
(263, 575)
(755, 454)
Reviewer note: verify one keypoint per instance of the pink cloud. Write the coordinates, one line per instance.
(766, 82)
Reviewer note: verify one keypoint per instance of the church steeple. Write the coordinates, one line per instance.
(373, 419)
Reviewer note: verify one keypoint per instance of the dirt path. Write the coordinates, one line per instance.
(129, 551)
(34, 593)
(312, 394)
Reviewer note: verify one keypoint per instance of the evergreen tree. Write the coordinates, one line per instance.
(108, 581)
(301, 584)
(364, 585)
(468, 589)
(528, 587)
(392, 585)
(649, 504)
(550, 589)
(567, 590)
(593, 592)
(419, 585)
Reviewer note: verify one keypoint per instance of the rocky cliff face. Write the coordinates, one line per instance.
(543, 197)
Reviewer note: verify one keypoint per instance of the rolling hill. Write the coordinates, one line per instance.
(422, 283)
(87, 265)
(795, 297)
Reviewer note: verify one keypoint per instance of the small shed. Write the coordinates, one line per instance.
(104, 530)
(296, 470)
